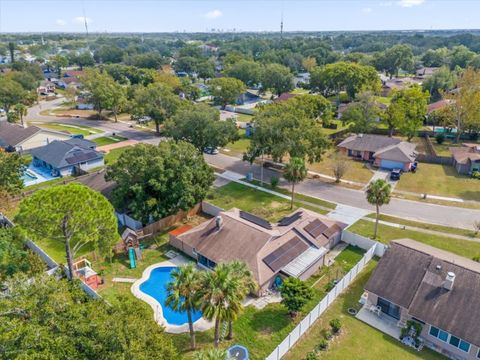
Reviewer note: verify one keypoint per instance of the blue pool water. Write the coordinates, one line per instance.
(155, 286)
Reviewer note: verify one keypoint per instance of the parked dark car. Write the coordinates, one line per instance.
(414, 166)
(210, 150)
(395, 174)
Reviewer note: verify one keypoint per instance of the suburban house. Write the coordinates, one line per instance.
(435, 288)
(284, 97)
(426, 72)
(397, 84)
(295, 246)
(46, 87)
(437, 105)
(15, 137)
(383, 151)
(69, 157)
(466, 158)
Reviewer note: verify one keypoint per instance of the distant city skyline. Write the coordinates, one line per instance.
(239, 15)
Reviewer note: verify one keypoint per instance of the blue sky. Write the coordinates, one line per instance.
(246, 15)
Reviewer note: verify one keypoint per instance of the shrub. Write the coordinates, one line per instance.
(336, 325)
(327, 334)
(476, 175)
(440, 138)
(274, 180)
(329, 286)
(322, 345)
(312, 355)
(476, 258)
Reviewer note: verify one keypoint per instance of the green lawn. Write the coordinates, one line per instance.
(70, 129)
(240, 146)
(357, 171)
(444, 229)
(340, 127)
(357, 340)
(387, 233)
(107, 140)
(257, 202)
(440, 180)
(114, 154)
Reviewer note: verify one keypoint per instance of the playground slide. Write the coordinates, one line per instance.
(131, 255)
(138, 253)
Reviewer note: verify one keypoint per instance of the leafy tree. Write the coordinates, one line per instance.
(187, 64)
(108, 54)
(201, 126)
(84, 59)
(14, 258)
(247, 71)
(435, 57)
(460, 56)
(183, 294)
(148, 60)
(28, 81)
(72, 214)
(295, 172)
(340, 166)
(331, 79)
(58, 62)
(284, 129)
(362, 114)
(395, 58)
(309, 63)
(220, 297)
(11, 49)
(11, 93)
(408, 109)
(49, 318)
(118, 101)
(277, 78)
(206, 69)
(226, 90)
(315, 107)
(295, 294)
(157, 101)
(100, 87)
(440, 82)
(463, 111)
(156, 181)
(11, 182)
(378, 193)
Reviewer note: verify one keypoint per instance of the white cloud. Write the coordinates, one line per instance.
(386, 3)
(60, 22)
(367, 10)
(213, 14)
(410, 3)
(80, 20)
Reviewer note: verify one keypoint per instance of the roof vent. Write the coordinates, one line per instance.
(218, 222)
(438, 267)
(449, 280)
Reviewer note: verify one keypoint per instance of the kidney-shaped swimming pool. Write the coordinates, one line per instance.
(156, 287)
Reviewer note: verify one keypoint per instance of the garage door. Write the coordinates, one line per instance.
(389, 164)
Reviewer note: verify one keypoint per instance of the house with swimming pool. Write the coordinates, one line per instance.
(435, 288)
(68, 157)
(295, 246)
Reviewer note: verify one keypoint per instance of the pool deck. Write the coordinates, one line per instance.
(199, 325)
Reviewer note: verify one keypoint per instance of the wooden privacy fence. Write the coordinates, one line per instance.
(168, 221)
(318, 310)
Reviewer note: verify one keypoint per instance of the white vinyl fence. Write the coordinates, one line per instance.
(308, 321)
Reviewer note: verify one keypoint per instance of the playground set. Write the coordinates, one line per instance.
(131, 246)
(83, 270)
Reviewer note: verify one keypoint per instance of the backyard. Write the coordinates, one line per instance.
(357, 340)
(440, 180)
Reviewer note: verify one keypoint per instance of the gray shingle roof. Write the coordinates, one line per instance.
(368, 142)
(412, 274)
(60, 154)
(403, 152)
(13, 134)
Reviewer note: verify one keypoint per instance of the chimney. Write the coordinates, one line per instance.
(218, 222)
(449, 280)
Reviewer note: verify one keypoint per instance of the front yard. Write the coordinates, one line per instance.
(440, 180)
(107, 140)
(70, 129)
(357, 340)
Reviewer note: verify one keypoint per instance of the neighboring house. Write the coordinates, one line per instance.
(296, 246)
(437, 105)
(383, 151)
(248, 97)
(397, 84)
(466, 158)
(46, 87)
(73, 73)
(438, 289)
(69, 157)
(14, 137)
(301, 78)
(426, 72)
(82, 103)
(284, 97)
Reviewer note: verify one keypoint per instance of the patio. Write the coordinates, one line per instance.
(382, 322)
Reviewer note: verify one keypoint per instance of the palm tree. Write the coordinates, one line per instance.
(378, 194)
(295, 171)
(247, 285)
(183, 294)
(21, 111)
(220, 300)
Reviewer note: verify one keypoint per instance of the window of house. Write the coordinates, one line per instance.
(443, 335)
(454, 341)
(465, 346)
(478, 354)
(450, 339)
(434, 331)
